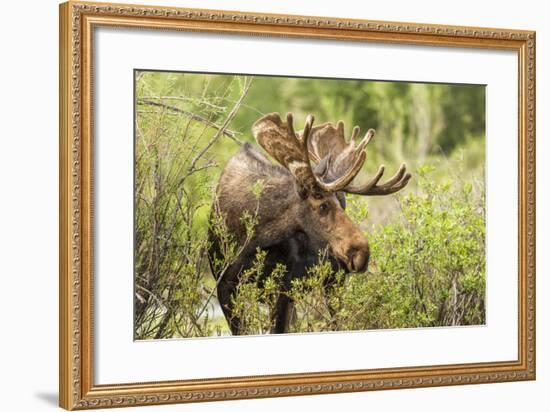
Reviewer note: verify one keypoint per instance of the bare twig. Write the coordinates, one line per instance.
(159, 311)
(185, 99)
(229, 133)
(138, 76)
(157, 299)
(229, 118)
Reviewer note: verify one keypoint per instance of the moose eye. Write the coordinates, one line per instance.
(324, 207)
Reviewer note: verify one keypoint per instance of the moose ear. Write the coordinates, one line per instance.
(322, 168)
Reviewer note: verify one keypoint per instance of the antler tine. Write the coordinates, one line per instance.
(340, 128)
(354, 134)
(364, 188)
(396, 177)
(293, 152)
(356, 154)
(394, 184)
(342, 181)
(397, 182)
(307, 129)
(290, 124)
(366, 139)
(345, 179)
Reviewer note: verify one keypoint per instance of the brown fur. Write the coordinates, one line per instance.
(292, 226)
(300, 211)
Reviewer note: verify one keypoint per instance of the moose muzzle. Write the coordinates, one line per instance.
(358, 256)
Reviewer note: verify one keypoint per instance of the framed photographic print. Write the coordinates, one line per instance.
(257, 205)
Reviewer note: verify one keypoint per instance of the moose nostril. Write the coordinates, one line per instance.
(351, 255)
(359, 259)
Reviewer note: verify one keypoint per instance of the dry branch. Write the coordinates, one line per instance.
(229, 133)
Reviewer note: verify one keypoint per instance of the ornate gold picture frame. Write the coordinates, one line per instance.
(77, 389)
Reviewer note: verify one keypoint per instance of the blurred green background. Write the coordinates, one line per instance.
(415, 123)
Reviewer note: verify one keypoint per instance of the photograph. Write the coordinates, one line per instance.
(273, 204)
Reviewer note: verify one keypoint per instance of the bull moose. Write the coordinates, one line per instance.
(301, 209)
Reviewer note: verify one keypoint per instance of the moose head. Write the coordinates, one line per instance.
(336, 163)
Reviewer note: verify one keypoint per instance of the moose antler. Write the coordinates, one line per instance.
(279, 139)
(328, 147)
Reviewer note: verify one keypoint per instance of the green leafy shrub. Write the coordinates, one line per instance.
(256, 296)
(175, 176)
(427, 268)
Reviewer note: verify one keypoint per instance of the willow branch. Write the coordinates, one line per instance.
(229, 133)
